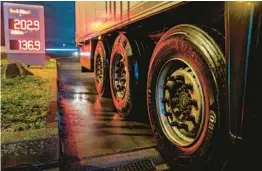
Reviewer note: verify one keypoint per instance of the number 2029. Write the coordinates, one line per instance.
(26, 24)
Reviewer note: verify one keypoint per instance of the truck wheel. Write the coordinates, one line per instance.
(185, 98)
(128, 65)
(101, 70)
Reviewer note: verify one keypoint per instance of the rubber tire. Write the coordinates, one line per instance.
(123, 106)
(200, 51)
(136, 52)
(104, 89)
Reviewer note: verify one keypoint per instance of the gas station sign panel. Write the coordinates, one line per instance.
(24, 28)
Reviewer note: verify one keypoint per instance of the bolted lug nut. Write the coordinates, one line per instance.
(189, 87)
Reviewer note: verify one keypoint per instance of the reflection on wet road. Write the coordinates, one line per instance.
(90, 126)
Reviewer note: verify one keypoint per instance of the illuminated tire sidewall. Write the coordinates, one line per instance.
(100, 53)
(122, 47)
(184, 43)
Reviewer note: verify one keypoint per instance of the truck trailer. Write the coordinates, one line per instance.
(191, 66)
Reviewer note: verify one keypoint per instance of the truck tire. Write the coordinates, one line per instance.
(128, 65)
(186, 99)
(101, 70)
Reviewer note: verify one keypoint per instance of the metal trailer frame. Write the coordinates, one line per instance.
(243, 55)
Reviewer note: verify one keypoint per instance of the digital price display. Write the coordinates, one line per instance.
(24, 28)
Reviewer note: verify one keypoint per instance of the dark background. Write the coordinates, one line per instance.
(59, 22)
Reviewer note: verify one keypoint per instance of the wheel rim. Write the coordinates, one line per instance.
(119, 76)
(180, 102)
(99, 69)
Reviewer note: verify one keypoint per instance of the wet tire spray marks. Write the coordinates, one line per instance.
(90, 128)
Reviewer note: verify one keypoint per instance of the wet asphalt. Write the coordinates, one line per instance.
(92, 134)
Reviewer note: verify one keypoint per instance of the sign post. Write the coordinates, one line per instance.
(25, 33)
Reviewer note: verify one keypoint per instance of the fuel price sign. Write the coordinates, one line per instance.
(24, 30)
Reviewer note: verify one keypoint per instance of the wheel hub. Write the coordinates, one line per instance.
(181, 107)
(99, 69)
(183, 101)
(119, 78)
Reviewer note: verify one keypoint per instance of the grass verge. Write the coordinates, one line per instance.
(25, 99)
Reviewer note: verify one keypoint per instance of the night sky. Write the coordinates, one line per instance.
(59, 22)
